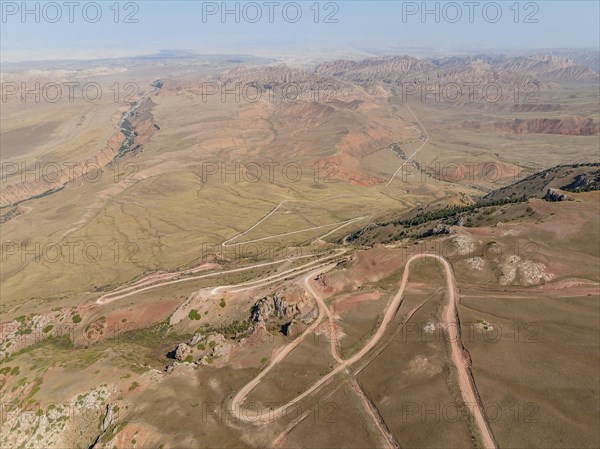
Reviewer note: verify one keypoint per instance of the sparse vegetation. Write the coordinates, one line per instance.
(234, 329)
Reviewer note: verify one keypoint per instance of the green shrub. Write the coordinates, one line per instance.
(194, 315)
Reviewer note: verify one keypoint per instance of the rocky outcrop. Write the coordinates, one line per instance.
(53, 426)
(276, 314)
(265, 307)
(584, 182)
(197, 338)
(178, 366)
(574, 177)
(260, 311)
(34, 328)
(460, 221)
(515, 271)
(280, 305)
(554, 195)
(108, 420)
(439, 229)
(286, 329)
(182, 351)
(201, 347)
(221, 348)
(109, 417)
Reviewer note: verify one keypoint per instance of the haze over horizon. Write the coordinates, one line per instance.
(36, 31)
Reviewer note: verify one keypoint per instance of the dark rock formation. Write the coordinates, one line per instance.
(439, 229)
(555, 195)
(584, 182)
(286, 329)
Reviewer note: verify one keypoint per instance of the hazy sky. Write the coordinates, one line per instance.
(385, 26)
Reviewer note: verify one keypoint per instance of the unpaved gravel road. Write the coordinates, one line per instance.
(466, 385)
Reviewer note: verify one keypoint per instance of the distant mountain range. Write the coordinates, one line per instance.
(547, 67)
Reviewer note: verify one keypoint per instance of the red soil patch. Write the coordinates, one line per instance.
(136, 317)
(351, 301)
(365, 267)
(142, 314)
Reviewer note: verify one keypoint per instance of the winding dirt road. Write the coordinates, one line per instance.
(466, 385)
(465, 380)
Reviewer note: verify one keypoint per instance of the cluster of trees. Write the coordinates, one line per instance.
(443, 214)
(453, 211)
